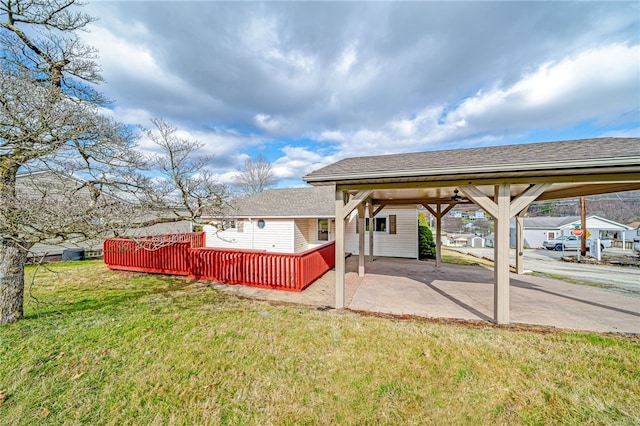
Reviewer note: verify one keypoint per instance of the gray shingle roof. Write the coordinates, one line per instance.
(289, 203)
(534, 156)
(549, 222)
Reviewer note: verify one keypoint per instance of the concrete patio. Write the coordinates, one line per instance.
(412, 287)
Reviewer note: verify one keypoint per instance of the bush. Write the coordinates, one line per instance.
(426, 245)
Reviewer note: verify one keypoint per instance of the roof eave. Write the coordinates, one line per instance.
(540, 167)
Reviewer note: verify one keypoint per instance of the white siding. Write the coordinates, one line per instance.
(402, 244)
(301, 233)
(276, 236)
(312, 232)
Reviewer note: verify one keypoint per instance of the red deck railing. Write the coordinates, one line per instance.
(160, 254)
(186, 255)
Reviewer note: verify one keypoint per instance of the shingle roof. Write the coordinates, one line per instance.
(289, 203)
(549, 222)
(534, 156)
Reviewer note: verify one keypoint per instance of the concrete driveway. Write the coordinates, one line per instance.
(620, 279)
(412, 287)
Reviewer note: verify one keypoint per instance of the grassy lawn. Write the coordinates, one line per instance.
(116, 348)
(456, 258)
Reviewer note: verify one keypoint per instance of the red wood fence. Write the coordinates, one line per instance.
(187, 256)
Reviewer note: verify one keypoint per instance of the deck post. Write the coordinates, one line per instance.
(502, 199)
(361, 240)
(340, 263)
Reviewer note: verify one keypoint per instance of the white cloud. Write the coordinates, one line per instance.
(298, 161)
(265, 121)
(592, 85)
(595, 84)
(347, 60)
(353, 79)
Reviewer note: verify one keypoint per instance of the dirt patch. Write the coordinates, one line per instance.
(615, 260)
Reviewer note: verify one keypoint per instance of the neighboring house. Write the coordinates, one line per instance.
(476, 242)
(539, 229)
(633, 233)
(458, 240)
(489, 240)
(479, 214)
(293, 220)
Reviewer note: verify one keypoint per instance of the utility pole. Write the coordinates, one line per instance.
(583, 219)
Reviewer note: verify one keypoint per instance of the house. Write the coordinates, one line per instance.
(489, 241)
(458, 240)
(476, 242)
(633, 233)
(539, 229)
(293, 220)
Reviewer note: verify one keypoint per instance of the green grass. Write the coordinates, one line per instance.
(456, 258)
(116, 348)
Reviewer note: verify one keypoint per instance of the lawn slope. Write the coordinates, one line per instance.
(103, 347)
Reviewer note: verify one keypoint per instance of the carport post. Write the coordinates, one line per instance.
(361, 240)
(340, 249)
(520, 242)
(438, 236)
(438, 213)
(501, 254)
(502, 209)
(370, 206)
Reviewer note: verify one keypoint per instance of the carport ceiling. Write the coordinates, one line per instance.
(573, 168)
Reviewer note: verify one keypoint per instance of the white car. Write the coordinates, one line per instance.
(571, 242)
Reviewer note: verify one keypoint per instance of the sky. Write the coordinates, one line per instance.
(308, 83)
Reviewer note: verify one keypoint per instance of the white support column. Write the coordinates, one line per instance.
(370, 205)
(439, 213)
(361, 240)
(501, 254)
(438, 236)
(502, 209)
(340, 263)
(520, 242)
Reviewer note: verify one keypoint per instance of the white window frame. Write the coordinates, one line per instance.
(318, 230)
(375, 221)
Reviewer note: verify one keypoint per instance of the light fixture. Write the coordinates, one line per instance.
(456, 196)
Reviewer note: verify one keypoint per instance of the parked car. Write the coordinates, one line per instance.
(571, 242)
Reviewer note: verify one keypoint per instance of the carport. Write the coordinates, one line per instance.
(502, 180)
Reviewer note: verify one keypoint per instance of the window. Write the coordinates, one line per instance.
(380, 224)
(323, 229)
(240, 226)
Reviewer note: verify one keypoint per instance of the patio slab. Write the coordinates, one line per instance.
(412, 287)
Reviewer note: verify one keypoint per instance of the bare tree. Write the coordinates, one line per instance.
(184, 187)
(255, 176)
(67, 172)
(50, 120)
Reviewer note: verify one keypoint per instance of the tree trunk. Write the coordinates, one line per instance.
(12, 261)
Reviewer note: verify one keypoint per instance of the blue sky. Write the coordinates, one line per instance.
(308, 83)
